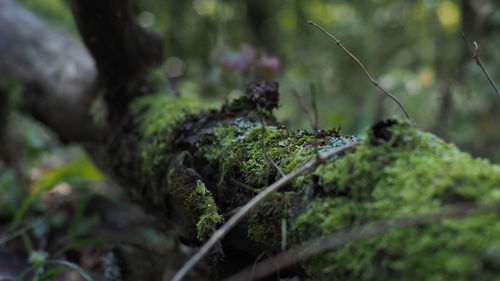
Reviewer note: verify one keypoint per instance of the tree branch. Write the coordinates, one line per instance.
(123, 50)
(474, 49)
(363, 67)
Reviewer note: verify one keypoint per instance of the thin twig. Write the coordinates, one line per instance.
(354, 234)
(264, 149)
(302, 103)
(224, 229)
(284, 231)
(314, 125)
(474, 49)
(314, 108)
(365, 70)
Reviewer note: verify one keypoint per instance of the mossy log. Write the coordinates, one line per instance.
(195, 165)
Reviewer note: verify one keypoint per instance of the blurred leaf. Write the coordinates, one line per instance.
(73, 267)
(10, 192)
(449, 15)
(79, 171)
(41, 227)
(53, 273)
(58, 219)
(68, 266)
(78, 244)
(79, 226)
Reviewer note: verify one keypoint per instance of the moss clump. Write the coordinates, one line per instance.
(201, 200)
(157, 113)
(265, 219)
(241, 147)
(153, 155)
(401, 171)
(196, 201)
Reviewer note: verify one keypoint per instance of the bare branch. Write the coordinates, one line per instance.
(314, 107)
(314, 125)
(264, 149)
(474, 49)
(302, 104)
(365, 70)
(307, 250)
(224, 229)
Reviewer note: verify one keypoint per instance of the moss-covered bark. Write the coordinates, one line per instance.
(194, 165)
(401, 171)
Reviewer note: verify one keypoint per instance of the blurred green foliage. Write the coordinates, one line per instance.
(55, 11)
(412, 47)
(80, 172)
(10, 192)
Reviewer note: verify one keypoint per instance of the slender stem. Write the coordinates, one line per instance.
(474, 49)
(264, 149)
(365, 70)
(302, 103)
(224, 229)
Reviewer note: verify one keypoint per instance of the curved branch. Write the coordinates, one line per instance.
(123, 50)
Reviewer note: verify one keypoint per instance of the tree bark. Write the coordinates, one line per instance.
(191, 166)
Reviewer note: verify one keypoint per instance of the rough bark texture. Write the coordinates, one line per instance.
(191, 165)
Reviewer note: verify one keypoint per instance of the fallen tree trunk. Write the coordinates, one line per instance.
(398, 171)
(192, 166)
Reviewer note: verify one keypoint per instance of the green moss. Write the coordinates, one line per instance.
(265, 219)
(153, 155)
(241, 146)
(239, 150)
(157, 113)
(196, 200)
(201, 200)
(156, 116)
(401, 171)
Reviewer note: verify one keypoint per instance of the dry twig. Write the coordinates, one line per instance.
(365, 70)
(298, 96)
(353, 234)
(474, 49)
(264, 149)
(224, 229)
